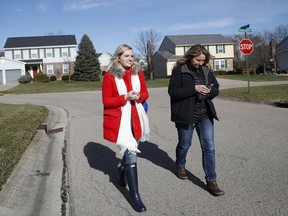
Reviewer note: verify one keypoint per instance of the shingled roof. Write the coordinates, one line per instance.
(39, 41)
(204, 39)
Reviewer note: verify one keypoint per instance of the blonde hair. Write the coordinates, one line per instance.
(113, 66)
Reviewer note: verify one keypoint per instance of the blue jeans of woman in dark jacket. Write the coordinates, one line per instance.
(205, 132)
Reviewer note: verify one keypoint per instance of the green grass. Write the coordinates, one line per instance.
(73, 86)
(17, 128)
(255, 78)
(259, 94)
(54, 87)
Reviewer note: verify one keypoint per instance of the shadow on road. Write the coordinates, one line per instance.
(153, 153)
(104, 159)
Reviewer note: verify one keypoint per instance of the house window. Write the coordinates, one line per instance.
(49, 53)
(34, 53)
(220, 64)
(186, 48)
(50, 69)
(17, 54)
(220, 49)
(64, 52)
(206, 47)
(65, 68)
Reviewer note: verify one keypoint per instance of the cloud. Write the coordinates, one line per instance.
(216, 23)
(84, 5)
(18, 9)
(42, 6)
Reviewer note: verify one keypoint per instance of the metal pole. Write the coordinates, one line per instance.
(247, 66)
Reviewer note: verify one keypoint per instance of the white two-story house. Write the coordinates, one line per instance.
(174, 46)
(104, 60)
(52, 55)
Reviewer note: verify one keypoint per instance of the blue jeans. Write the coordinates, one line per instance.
(205, 132)
(129, 158)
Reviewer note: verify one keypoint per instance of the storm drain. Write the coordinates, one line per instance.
(283, 104)
(49, 131)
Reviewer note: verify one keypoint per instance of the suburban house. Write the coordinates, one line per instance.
(104, 59)
(10, 70)
(282, 55)
(52, 55)
(174, 46)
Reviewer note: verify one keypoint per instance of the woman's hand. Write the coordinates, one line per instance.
(132, 95)
(202, 89)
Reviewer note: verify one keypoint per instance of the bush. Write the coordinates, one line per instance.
(42, 78)
(24, 79)
(65, 77)
(53, 78)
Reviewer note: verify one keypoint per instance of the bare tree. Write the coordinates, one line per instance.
(238, 62)
(280, 33)
(147, 43)
(263, 56)
(70, 67)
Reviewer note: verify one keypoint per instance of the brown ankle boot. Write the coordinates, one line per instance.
(181, 172)
(213, 188)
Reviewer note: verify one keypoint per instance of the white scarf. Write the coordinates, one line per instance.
(125, 139)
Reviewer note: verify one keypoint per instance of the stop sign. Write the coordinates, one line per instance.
(246, 46)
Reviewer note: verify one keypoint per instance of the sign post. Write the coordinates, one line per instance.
(246, 47)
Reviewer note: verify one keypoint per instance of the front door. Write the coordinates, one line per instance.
(35, 70)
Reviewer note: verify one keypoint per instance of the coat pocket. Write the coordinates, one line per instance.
(112, 119)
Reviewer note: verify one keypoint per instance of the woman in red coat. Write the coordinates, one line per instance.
(125, 120)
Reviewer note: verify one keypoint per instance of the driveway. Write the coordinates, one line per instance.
(74, 172)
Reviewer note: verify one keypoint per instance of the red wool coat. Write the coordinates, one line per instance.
(112, 102)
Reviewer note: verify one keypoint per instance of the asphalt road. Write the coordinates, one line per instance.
(74, 172)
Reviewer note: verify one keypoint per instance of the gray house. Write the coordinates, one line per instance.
(282, 55)
(174, 46)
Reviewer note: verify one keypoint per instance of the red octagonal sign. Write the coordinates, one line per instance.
(246, 46)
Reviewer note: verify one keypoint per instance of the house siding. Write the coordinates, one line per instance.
(177, 45)
(282, 55)
(35, 55)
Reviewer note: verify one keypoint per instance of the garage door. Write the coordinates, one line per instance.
(12, 76)
(1, 77)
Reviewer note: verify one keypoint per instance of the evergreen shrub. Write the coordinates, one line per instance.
(42, 78)
(24, 79)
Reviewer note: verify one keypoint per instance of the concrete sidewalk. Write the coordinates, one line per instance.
(7, 86)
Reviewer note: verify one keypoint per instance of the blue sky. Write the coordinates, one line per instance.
(109, 23)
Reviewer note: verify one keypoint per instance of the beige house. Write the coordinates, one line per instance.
(174, 46)
(52, 55)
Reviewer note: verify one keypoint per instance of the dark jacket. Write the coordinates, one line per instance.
(183, 94)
